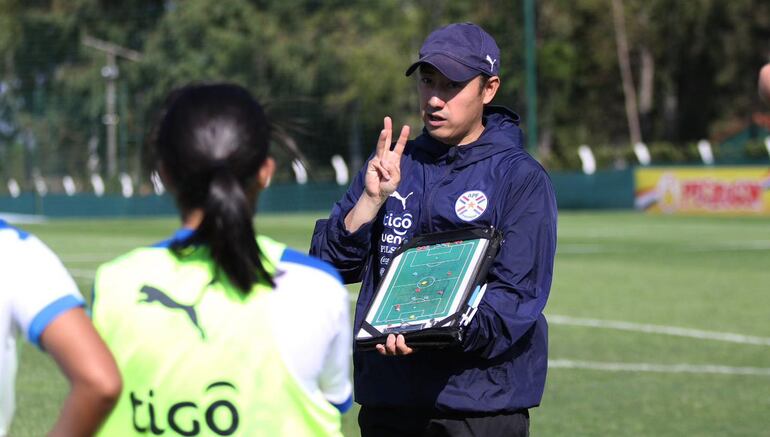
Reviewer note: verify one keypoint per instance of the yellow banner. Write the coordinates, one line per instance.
(703, 190)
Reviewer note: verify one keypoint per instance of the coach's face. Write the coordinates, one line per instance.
(452, 110)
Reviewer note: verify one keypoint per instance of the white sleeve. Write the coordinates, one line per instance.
(334, 379)
(318, 357)
(41, 288)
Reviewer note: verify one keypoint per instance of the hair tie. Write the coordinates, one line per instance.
(219, 167)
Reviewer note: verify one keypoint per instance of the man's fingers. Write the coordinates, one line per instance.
(394, 158)
(387, 124)
(384, 172)
(401, 346)
(382, 144)
(390, 345)
(401, 143)
(394, 345)
(385, 140)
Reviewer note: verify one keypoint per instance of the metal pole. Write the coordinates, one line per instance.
(530, 57)
(632, 113)
(110, 119)
(110, 74)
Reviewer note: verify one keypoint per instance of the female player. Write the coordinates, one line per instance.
(218, 331)
(40, 300)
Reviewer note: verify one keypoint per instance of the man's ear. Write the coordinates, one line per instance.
(490, 89)
(265, 174)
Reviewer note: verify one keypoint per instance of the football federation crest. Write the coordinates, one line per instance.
(470, 205)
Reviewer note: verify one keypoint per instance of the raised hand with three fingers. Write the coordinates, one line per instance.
(383, 173)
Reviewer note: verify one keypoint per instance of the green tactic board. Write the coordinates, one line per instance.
(426, 284)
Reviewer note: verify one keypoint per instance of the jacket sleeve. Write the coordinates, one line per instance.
(519, 280)
(346, 251)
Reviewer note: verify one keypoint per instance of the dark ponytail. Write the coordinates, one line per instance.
(211, 143)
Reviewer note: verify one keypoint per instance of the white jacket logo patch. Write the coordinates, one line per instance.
(470, 205)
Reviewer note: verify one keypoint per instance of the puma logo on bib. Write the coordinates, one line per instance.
(152, 294)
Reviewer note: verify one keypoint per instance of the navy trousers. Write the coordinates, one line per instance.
(407, 422)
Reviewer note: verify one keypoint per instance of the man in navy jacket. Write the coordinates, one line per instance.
(467, 150)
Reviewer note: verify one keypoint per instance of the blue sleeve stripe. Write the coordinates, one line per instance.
(180, 235)
(48, 314)
(292, 256)
(22, 235)
(163, 244)
(345, 406)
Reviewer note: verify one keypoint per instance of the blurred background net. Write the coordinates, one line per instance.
(81, 80)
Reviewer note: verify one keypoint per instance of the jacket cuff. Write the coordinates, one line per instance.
(359, 241)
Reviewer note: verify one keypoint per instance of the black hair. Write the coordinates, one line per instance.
(211, 142)
(483, 82)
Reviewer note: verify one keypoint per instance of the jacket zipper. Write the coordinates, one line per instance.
(436, 186)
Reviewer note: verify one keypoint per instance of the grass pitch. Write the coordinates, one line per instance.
(658, 325)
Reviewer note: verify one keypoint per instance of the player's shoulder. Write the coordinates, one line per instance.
(139, 255)
(292, 259)
(9, 231)
(520, 159)
(12, 238)
(17, 245)
(301, 279)
(519, 167)
(138, 260)
(315, 296)
(36, 283)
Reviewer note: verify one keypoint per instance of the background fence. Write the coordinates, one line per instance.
(602, 190)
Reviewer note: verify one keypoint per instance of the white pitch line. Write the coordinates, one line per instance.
(582, 248)
(22, 218)
(87, 258)
(738, 246)
(660, 368)
(730, 246)
(82, 273)
(659, 329)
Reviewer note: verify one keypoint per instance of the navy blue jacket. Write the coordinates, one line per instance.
(503, 365)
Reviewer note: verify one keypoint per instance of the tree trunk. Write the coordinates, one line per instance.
(646, 90)
(632, 114)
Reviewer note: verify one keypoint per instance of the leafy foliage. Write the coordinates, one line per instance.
(330, 70)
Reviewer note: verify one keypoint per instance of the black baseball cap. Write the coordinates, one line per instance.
(460, 51)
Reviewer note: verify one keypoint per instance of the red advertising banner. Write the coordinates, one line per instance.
(703, 190)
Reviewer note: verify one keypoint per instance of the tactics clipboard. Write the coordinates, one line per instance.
(431, 288)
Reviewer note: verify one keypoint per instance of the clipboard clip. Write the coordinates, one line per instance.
(473, 304)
